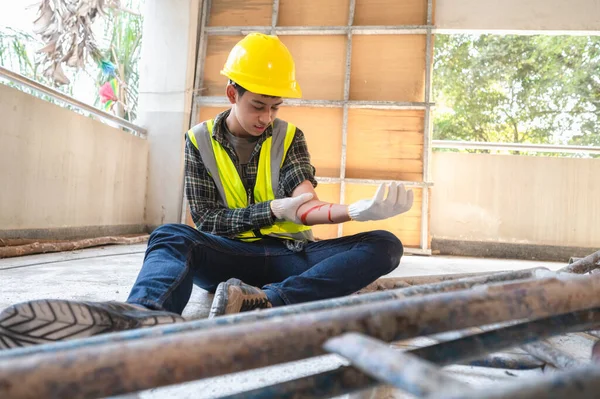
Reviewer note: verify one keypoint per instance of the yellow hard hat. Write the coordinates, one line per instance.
(262, 64)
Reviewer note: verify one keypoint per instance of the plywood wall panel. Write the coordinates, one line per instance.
(390, 12)
(322, 128)
(388, 68)
(217, 50)
(407, 226)
(240, 13)
(313, 12)
(385, 144)
(381, 144)
(205, 113)
(320, 65)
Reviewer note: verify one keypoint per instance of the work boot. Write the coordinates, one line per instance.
(233, 296)
(47, 321)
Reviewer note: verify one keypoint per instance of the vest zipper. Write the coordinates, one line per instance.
(250, 196)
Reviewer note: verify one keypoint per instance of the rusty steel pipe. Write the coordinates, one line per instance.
(446, 286)
(584, 265)
(403, 370)
(123, 367)
(510, 362)
(579, 383)
(551, 355)
(594, 333)
(463, 350)
(391, 283)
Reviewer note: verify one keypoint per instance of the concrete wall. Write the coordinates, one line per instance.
(516, 200)
(511, 15)
(61, 170)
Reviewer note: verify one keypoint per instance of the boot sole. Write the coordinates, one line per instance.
(48, 321)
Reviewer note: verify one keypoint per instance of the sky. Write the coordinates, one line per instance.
(18, 14)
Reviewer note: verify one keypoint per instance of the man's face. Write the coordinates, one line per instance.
(256, 112)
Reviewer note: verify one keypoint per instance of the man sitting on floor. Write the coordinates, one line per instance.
(250, 187)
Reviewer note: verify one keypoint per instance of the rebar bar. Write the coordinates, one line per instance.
(122, 367)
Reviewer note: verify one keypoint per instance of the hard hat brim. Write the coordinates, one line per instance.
(291, 91)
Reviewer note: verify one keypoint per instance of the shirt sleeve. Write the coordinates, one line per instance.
(296, 167)
(208, 213)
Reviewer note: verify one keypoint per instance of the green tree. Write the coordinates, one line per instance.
(519, 89)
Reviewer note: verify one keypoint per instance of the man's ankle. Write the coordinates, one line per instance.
(274, 297)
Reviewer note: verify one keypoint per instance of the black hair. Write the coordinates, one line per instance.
(240, 90)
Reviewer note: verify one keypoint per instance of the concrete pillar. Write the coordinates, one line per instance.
(168, 58)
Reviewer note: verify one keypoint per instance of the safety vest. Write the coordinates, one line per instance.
(229, 183)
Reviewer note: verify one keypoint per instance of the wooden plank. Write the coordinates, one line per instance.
(320, 65)
(327, 193)
(322, 128)
(313, 12)
(390, 12)
(407, 227)
(385, 144)
(388, 68)
(240, 13)
(217, 50)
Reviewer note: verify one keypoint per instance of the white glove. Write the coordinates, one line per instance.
(398, 201)
(286, 208)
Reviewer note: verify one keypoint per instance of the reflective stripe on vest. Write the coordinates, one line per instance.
(229, 184)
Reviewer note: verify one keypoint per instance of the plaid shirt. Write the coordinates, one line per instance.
(210, 215)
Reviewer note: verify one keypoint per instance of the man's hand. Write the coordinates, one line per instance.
(286, 208)
(398, 201)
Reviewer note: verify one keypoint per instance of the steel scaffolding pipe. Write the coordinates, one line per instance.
(403, 370)
(122, 367)
(463, 350)
(582, 382)
(390, 283)
(552, 355)
(445, 286)
(508, 361)
(584, 265)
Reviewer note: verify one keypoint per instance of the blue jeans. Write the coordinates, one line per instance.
(179, 256)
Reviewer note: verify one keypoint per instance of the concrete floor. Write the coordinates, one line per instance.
(108, 273)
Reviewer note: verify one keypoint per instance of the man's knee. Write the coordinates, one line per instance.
(172, 232)
(387, 243)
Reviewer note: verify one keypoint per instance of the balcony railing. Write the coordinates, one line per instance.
(57, 95)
